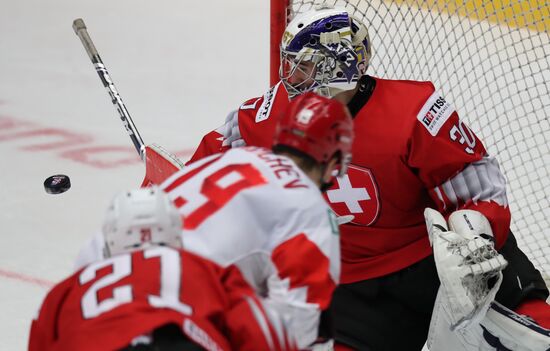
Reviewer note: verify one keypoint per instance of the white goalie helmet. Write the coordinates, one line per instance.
(325, 51)
(139, 219)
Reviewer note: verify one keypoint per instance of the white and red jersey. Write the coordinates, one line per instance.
(107, 304)
(255, 210)
(411, 151)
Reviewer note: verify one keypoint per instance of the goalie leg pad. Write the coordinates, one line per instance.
(536, 309)
(504, 329)
(500, 330)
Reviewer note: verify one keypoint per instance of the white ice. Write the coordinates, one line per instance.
(180, 67)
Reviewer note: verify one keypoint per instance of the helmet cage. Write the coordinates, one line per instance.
(334, 48)
(299, 72)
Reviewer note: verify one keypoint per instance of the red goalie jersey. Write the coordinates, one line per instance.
(109, 303)
(411, 151)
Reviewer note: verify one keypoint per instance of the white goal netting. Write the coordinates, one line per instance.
(491, 59)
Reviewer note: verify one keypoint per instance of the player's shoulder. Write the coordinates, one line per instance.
(195, 265)
(420, 103)
(61, 291)
(261, 108)
(279, 183)
(257, 117)
(280, 170)
(408, 89)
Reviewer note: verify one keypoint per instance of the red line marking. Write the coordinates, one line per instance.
(26, 278)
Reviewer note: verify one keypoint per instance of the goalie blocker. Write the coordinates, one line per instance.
(416, 288)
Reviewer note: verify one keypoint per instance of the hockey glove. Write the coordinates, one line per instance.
(468, 266)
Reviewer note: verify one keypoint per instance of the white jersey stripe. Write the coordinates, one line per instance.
(260, 318)
(479, 181)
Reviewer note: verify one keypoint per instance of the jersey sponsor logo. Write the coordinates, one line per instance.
(435, 113)
(265, 108)
(356, 193)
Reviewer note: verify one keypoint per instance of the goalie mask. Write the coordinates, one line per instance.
(325, 51)
(139, 219)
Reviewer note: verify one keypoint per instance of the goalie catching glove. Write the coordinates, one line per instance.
(468, 266)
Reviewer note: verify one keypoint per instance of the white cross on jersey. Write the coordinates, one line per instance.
(348, 194)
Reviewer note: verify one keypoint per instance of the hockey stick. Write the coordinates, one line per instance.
(81, 31)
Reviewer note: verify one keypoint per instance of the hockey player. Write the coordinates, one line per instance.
(261, 212)
(413, 152)
(148, 294)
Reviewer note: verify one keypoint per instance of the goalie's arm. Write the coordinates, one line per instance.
(210, 144)
(221, 139)
(454, 166)
(481, 187)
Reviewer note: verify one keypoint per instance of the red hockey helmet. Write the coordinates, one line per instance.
(318, 127)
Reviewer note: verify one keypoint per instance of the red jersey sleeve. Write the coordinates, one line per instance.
(455, 167)
(43, 333)
(253, 123)
(210, 144)
(258, 117)
(252, 325)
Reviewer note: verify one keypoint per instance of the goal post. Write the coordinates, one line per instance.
(278, 21)
(491, 59)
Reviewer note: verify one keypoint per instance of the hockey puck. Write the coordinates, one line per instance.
(57, 184)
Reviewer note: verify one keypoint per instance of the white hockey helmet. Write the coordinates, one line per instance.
(141, 218)
(325, 51)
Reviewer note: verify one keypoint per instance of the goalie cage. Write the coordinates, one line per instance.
(491, 58)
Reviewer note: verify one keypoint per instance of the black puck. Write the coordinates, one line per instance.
(57, 184)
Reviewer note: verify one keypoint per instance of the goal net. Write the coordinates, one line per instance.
(491, 59)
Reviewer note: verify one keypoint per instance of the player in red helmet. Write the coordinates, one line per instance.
(316, 128)
(261, 212)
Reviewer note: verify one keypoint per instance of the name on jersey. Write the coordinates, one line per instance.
(200, 336)
(265, 108)
(282, 167)
(435, 113)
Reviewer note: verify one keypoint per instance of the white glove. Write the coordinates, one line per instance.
(468, 266)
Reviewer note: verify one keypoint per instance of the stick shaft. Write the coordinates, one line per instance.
(81, 31)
